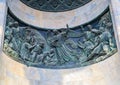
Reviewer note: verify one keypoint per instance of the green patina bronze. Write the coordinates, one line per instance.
(55, 5)
(60, 48)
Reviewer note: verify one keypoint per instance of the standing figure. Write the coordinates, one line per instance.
(56, 43)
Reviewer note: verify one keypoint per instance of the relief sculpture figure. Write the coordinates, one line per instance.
(57, 43)
(60, 48)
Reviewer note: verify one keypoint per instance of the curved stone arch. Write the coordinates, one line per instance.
(56, 20)
(61, 48)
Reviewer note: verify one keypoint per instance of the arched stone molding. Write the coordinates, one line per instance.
(53, 20)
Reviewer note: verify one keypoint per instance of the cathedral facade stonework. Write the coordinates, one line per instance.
(61, 42)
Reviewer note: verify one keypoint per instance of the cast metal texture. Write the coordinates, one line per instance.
(62, 48)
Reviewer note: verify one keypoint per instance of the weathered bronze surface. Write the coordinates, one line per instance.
(62, 48)
(55, 5)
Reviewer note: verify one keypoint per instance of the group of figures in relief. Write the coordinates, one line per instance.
(63, 47)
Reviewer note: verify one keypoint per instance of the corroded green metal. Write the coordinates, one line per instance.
(55, 5)
(60, 48)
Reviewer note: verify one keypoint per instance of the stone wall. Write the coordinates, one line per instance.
(102, 73)
(58, 20)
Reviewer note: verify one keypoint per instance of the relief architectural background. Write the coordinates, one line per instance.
(60, 48)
